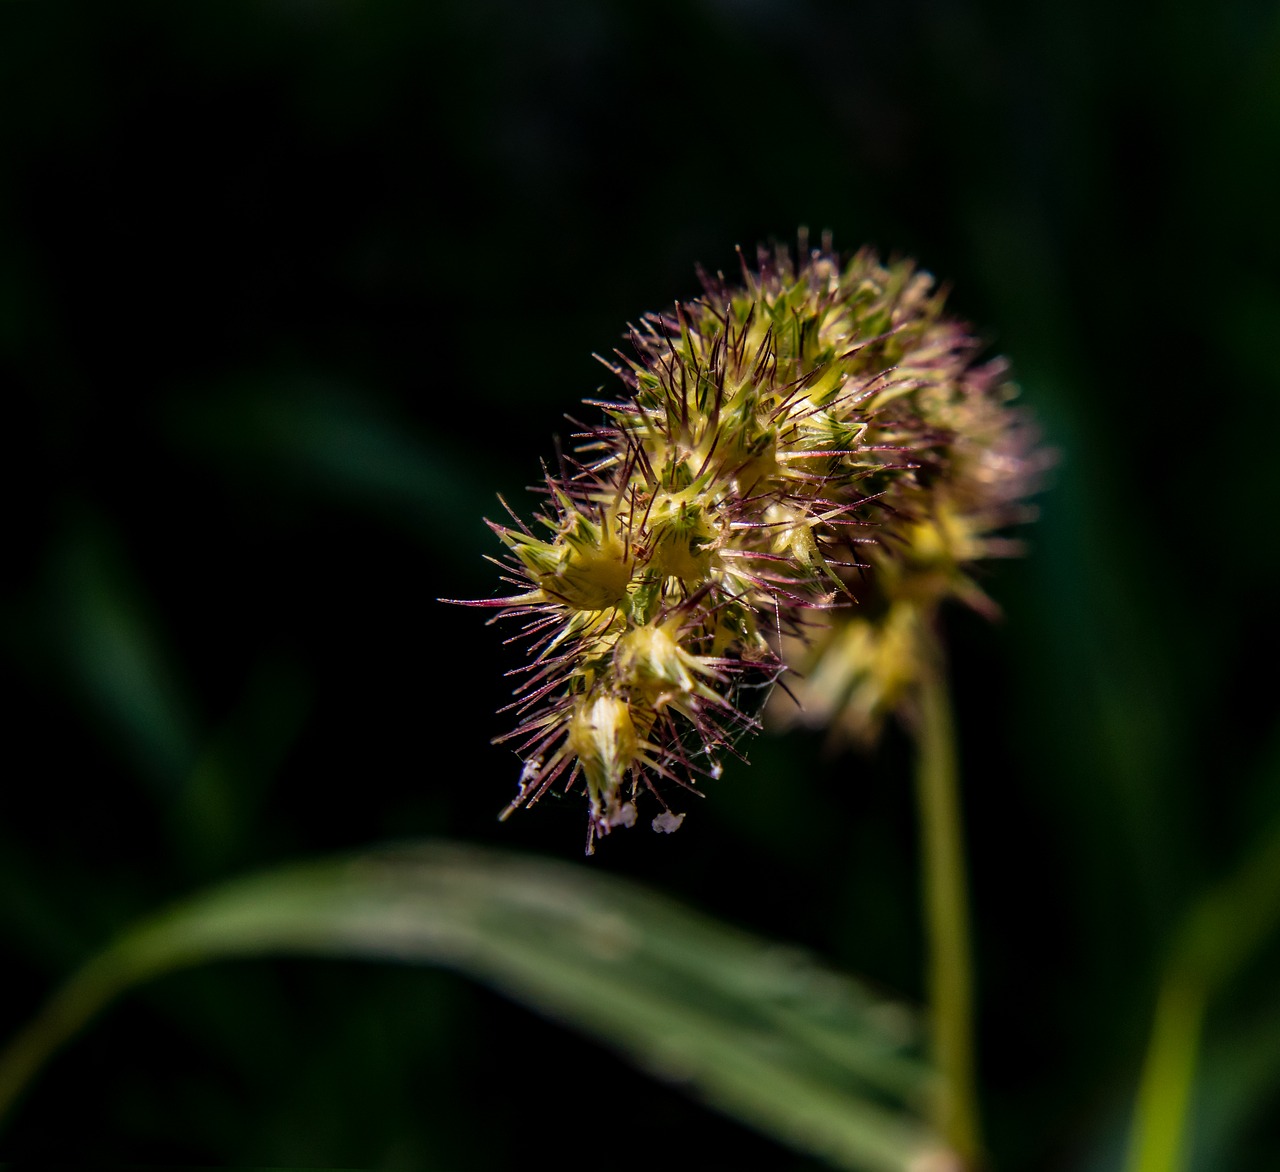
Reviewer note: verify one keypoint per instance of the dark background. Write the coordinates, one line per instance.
(289, 290)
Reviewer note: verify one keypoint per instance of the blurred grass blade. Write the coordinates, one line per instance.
(117, 658)
(1223, 931)
(1168, 1076)
(755, 1029)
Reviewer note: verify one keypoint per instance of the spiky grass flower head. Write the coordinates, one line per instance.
(800, 466)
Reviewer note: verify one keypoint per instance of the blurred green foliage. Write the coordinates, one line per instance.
(288, 290)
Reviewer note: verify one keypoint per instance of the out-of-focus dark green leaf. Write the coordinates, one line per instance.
(330, 440)
(108, 641)
(233, 775)
(757, 1029)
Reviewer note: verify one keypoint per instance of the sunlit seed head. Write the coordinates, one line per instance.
(807, 463)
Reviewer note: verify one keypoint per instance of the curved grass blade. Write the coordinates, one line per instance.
(755, 1029)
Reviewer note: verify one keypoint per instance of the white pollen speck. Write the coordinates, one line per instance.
(667, 822)
(624, 815)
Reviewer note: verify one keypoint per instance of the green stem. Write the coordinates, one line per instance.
(946, 908)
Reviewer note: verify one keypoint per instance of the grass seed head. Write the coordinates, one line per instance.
(802, 467)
